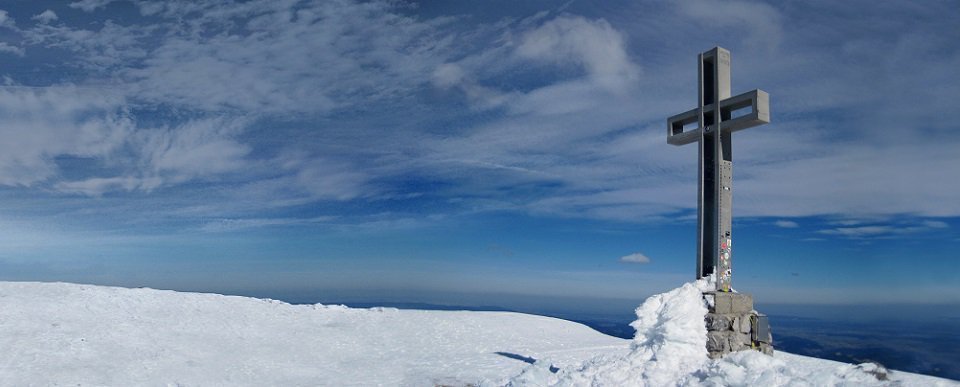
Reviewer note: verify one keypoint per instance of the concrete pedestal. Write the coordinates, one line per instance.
(733, 325)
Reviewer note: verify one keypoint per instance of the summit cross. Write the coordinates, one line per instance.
(711, 124)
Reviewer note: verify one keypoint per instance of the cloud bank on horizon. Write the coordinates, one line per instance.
(216, 116)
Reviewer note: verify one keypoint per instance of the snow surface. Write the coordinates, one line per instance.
(58, 334)
(92, 335)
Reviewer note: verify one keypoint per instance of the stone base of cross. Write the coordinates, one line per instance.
(733, 325)
(711, 124)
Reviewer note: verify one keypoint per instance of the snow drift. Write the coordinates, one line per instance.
(58, 334)
(669, 349)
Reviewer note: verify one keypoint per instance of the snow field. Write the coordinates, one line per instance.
(59, 334)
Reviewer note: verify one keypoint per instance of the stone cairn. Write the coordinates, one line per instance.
(733, 325)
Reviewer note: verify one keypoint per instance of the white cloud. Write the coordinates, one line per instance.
(854, 222)
(296, 179)
(258, 57)
(851, 179)
(635, 258)
(760, 22)
(6, 21)
(786, 224)
(97, 186)
(859, 231)
(45, 17)
(56, 121)
(331, 180)
(448, 75)
(197, 148)
(157, 157)
(270, 61)
(548, 133)
(6, 47)
(108, 49)
(452, 76)
(90, 5)
(593, 44)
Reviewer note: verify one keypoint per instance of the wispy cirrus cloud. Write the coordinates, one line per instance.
(230, 225)
(158, 157)
(885, 230)
(341, 101)
(333, 55)
(229, 66)
(56, 121)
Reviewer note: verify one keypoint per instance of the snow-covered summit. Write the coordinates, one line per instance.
(58, 334)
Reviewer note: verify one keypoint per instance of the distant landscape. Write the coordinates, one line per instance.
(927, 347)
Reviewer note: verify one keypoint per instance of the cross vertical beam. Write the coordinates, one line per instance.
(713, 220)
(715, 124)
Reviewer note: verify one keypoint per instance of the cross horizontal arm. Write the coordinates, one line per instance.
(757, 100)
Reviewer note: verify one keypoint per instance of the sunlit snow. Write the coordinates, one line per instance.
(59, 334)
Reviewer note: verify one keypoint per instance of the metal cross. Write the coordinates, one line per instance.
(716, 117)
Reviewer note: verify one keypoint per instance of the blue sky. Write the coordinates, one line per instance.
(474, 151)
